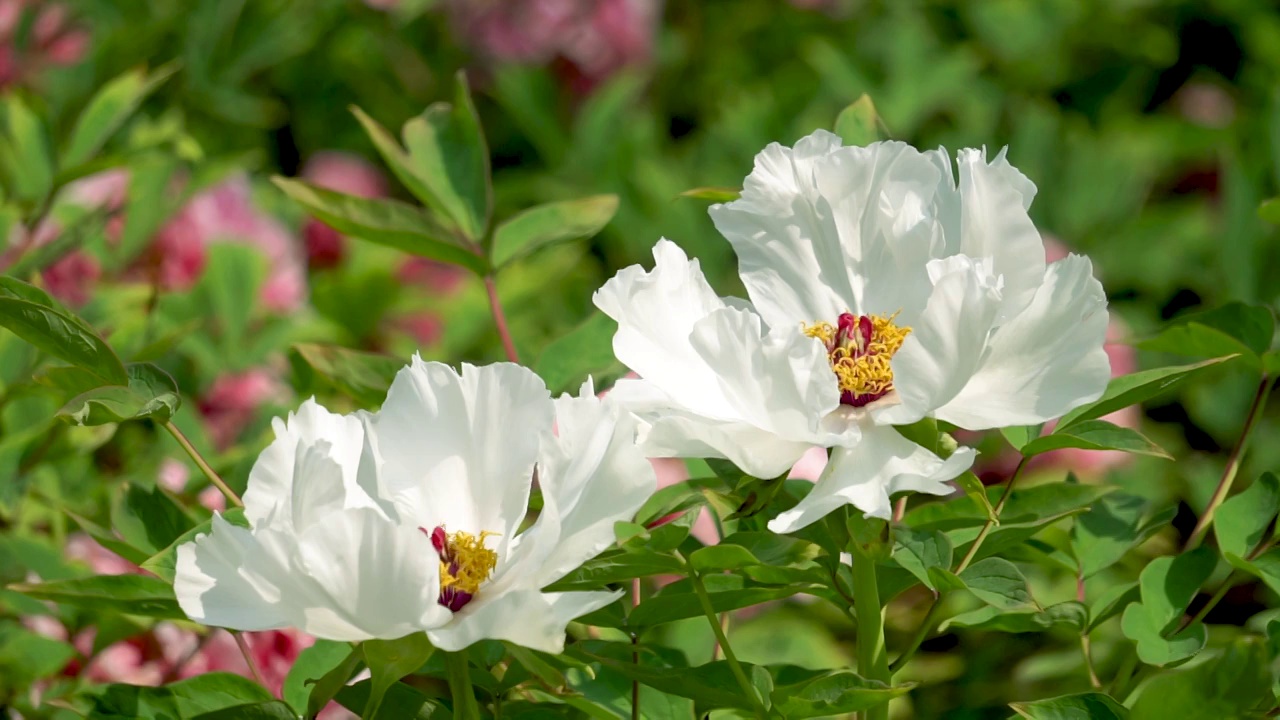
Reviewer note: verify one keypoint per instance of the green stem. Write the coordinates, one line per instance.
(709, 610)
(873, 659)
(464, 694)
(204, 466)
(1233, 464)
(923, 630)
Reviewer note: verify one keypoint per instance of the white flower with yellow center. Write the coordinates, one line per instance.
(408, 520)
(882, 292)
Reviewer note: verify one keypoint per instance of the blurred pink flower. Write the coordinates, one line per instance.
(592, 38)
(344, 173)
(230, 403)
(102, 561)
(173, 475)
(213, 499)
(425, 328)
(53, 39)
(436, 277)
(72, 277)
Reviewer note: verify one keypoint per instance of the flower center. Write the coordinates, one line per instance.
(859, 348)
(465, 563)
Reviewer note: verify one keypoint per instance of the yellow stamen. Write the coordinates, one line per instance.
(470, 559)
(863, 371)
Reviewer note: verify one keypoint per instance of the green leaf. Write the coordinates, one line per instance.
(390, 660)
(127, 594)
(1112, 602)
(727, 592)
(33, 316)
(1084, 706)
(832, 692)
(856, 124)
(312, 664)
(385, 222)
(1039, 502)
(1265, 567)
(721, 557)
(184, 700)
(26, 657)
(997, 582)
(364, 376)
(334, 681)
(714, 194)
(617, 566)
(772, 549)
(1167, 586)
(1153, 647)
(1102, 536)
(1135, 388)
(1233, 328)
(148, 519)
(274, 710)
(108, 110)
(1069, 613)
(1237, 684)
(585, 350)
(1095, 435)
(549, 224)
(151, 393)
(1269, 210)
(401, 702)
(1019, 435)
(165, 562)
(975, 490)
(25, 154)
(449, 154)
(1243, 519)
(108, 539)
(919, 550)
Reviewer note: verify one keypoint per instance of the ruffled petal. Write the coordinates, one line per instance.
(214, 587)
(656, 313)
(1046, 361)
(525, 617)
(462, 447)
(760, 453)
(947, 343)
(867, 474)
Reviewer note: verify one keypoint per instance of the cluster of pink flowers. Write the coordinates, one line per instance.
(54, 40)
(589, 40)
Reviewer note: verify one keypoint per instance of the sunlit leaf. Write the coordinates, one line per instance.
(550, 224)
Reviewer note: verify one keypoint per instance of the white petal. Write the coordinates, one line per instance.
(461, 448)
(760, 453)
(656, 312)
(213, 589)
(591, 476)
(995, 224)
(946, 344)
(823, 229)
(380, 579)
(527, 617)
(868, 473)
(1046, 361)
(272, 478)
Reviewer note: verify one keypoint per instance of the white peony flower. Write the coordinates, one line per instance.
(408, 520)
(881, 293)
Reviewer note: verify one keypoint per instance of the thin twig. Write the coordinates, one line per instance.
(204, 466)
(248, 658)
(635, 653)
(709, 610)
(500, 319)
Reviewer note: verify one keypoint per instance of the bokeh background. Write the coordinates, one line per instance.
(1151, 128)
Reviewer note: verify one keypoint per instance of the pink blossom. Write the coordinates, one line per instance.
(437, 277)
(425, 328)
(345, 173)
(213, 499)
(173, 475)
(53, 39)
(101, 560)
(72, 277)
(232, 400)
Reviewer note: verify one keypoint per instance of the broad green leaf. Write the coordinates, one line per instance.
(549, 224)
(35, 317)
(856, 124)
(1019, 435)
(675, 498)
(274, 710)
(532, 661)
(1113, 602)
(394, 155)
(1095, 435)
(709, 686)
(616, 566)
(390, 660)
(1167, 586)
(714, 194)
(772, 549)
(128, 594)
(151, 393)
(975, 490)
(671, 604)
(328, 686)
(1084, 706)
(1102, 536)
(831, 692)
(1243, 519)
(448, 151)
(385, 222)
(364, 376)
(1070, 613)
(25, 155)
(606, 692)
(401, 702)
(1236, 684)
(108, 110)
(1038, 502)
(721, 557)
(1265, 567)
(586, 350)
(1233, 328)
(165, 562)
(312, 664)
(1135, 388)
(1153, 647)
(148, 519)
(997, 582)
(183, 700)
(919, 550)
